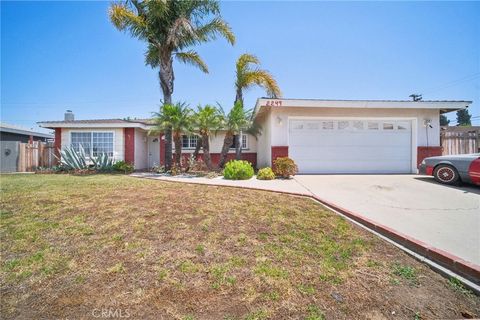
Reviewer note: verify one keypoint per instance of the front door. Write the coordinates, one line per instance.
(153, 152)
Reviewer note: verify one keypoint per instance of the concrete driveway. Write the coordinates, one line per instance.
(445, 217)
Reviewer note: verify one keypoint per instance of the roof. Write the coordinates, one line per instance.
(442, 105)
(11, 128)
(97, 123)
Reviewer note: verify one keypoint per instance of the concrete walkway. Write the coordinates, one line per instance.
(447, 218)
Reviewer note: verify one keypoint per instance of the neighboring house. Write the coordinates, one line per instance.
(10, 138)
(322, 136)
(9, 132)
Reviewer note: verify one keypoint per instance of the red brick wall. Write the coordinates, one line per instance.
(249, 156)
(425, 152)
(279, 151)
(58, 142)
(129, 135)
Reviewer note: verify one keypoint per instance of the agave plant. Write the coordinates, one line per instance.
(72, 159)
(102, 162)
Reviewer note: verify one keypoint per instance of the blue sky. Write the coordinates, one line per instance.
(67, 55)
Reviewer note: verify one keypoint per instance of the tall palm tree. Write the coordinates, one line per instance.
(171, 28)
(206, 120)
(237, 120)
(249, 74)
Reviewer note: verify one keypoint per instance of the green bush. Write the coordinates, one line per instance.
(265, 174)
(122, 166)
(284, 167)
(238, 170)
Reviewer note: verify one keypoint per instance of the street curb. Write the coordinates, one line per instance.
(456, 264)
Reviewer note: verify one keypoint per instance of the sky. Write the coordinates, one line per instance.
(67, 55)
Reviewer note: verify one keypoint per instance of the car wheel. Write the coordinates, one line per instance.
(447, 174)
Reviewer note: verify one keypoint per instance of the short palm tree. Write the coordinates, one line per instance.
(176, 119)
(171, 28)
(207, 120)
(249, 74)
(237, 120)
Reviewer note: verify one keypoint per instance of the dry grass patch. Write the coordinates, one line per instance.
(74, 244)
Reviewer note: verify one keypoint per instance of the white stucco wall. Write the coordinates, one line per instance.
(141, 152)
(118, 139)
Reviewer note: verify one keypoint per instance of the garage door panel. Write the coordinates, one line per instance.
(351, 146)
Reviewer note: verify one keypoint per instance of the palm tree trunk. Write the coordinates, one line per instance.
(227, 143)
(166, 77)
(197, 148)
(168, 149)
(206, 152)
(177, 138)
(238, 145)
(239, 96)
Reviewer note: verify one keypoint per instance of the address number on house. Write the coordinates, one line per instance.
(274, 103)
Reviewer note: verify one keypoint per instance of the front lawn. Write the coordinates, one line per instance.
(75, 246)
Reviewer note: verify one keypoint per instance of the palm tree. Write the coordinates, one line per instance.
(236, 121)
(170, 28)
(206, 120)
(177, 119)
(249, 74)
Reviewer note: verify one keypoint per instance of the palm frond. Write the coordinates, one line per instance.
(193, 58)
(213, 29)
(123, 18)
(263, 79)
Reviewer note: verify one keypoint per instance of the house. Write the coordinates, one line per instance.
(321, 136)
(9, 132)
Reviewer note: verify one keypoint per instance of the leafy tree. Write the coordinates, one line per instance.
(237, 120)
(170, 28)
(443, 120)
(249, 74)
(207, 120)
(177, 119)
(464, 118)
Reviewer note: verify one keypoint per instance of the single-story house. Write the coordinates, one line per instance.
(321, 136)
(10, 132)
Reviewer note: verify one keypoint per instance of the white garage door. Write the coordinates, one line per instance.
(351, 146)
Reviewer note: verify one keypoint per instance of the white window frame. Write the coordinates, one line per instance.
(189, 136)
(91, 140)
(246, 142)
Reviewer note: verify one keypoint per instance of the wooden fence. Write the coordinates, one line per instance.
(34, 155)
(460, 140)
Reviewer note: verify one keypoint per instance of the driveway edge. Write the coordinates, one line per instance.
(468, 270)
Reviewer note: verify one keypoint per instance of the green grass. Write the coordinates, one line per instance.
(72, 243)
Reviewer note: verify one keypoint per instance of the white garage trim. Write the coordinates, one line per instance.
(412, 120)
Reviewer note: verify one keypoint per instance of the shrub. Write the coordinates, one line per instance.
(122, 166)
(265, 174)
(238, 170)
(284, 167)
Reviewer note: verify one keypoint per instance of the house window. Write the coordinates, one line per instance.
(93, 143)
(244, 142)
(372, 125)
(387, 126)
(189, 142)
(327, 125)
(343, 125)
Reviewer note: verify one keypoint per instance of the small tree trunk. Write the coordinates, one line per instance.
(238, 145)
(168, 149)
(206, 152)
(227, 142)
(178, 148)
(197, 148)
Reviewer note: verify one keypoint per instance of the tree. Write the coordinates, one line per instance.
(237, 120)
(464, 118)
(248, 74)
(176, 118)
(206, 120)
(170, 28)
(443, 120)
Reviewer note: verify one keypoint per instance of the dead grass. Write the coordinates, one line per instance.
(74, 246)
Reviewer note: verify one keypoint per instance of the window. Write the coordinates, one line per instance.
(327, 125)
(93, 143)
(244, 142)
(357, 125)
(372, 125)
(342, 125)
(189, 142)
(387, 126)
